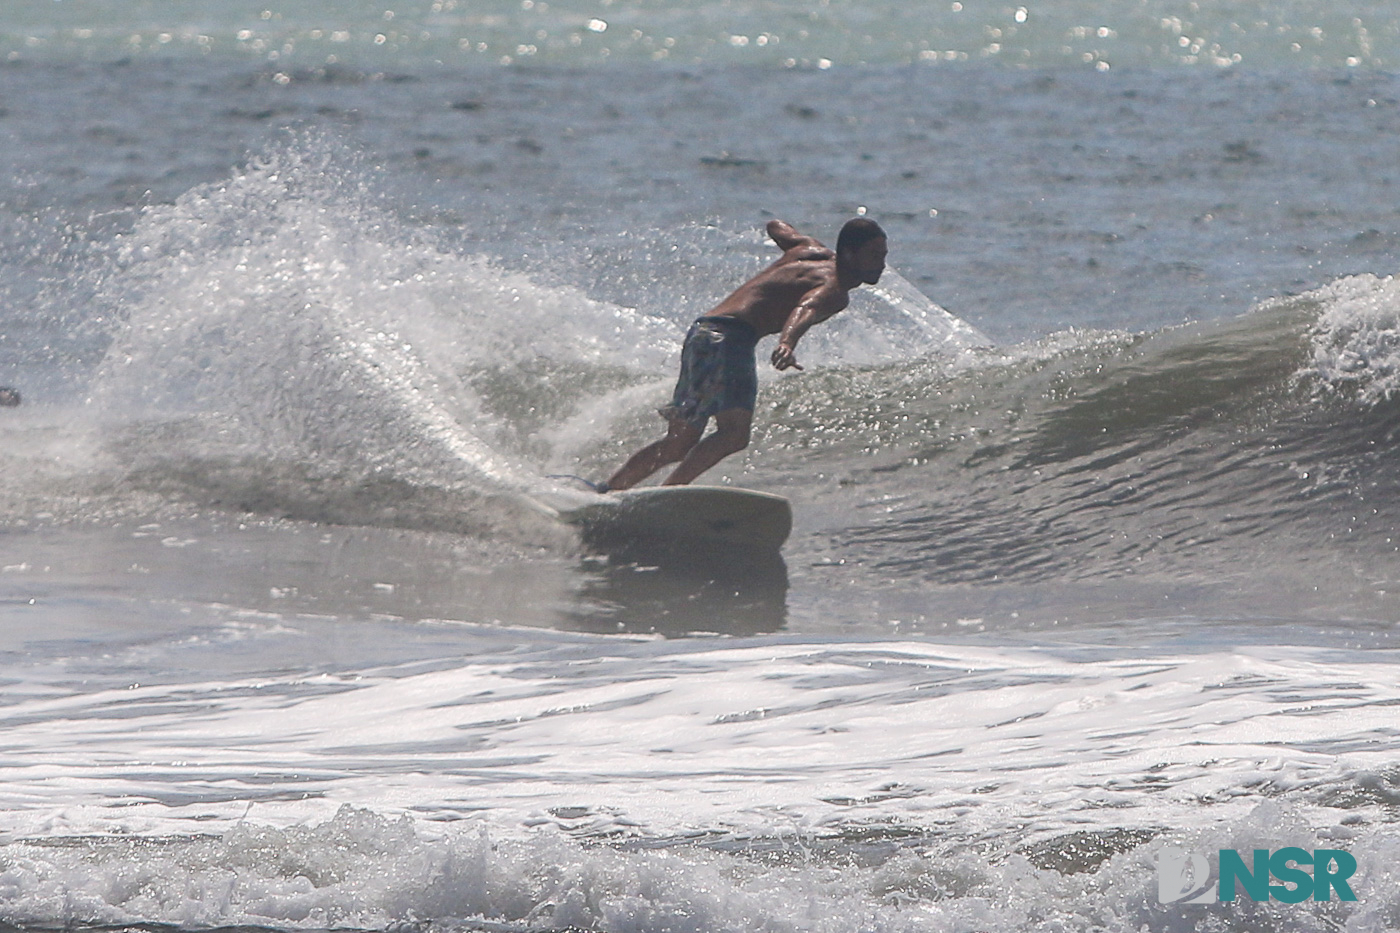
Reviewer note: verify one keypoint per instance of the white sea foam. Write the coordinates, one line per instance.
(904, 784)
(1356, 340)
(361, 870)
(669, 738)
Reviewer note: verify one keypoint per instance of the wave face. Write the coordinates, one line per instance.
(1092, 454)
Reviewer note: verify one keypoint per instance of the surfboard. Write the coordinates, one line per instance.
(686, 516)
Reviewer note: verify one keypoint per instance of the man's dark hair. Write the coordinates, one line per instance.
(856, 233)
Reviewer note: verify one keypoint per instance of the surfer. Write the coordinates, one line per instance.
(9, 397)
(719, 375)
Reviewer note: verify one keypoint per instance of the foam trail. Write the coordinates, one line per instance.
(401, 376)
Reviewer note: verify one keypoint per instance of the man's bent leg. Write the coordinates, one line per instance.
(731, 435)
(680, 439)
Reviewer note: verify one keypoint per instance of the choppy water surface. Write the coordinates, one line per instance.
(308, 301)
(783, 33)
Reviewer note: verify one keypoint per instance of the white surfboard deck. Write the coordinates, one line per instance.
(682, 516)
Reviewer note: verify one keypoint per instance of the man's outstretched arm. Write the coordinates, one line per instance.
(818, 305)
(787, 238)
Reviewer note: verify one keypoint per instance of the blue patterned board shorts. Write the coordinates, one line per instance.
(718, 370)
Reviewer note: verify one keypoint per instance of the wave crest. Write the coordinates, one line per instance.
(1355, 342)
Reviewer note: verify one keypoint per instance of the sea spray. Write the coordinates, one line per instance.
(285, 322)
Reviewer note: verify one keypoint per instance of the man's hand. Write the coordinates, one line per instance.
(784, 357)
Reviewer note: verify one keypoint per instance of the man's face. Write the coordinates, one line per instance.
(869, 260)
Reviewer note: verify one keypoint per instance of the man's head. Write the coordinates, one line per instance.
(9, 398)
(861, 249)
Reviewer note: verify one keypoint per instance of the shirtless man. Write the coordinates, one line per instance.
(719, 375)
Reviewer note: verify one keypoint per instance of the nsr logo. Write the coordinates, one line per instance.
(1184, 877)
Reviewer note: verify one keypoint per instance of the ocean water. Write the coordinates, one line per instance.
(1096, 495)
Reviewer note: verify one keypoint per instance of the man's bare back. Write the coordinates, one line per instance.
(766, 300)
(805, 286)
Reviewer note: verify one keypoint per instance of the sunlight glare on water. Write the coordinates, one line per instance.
(305, 33)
